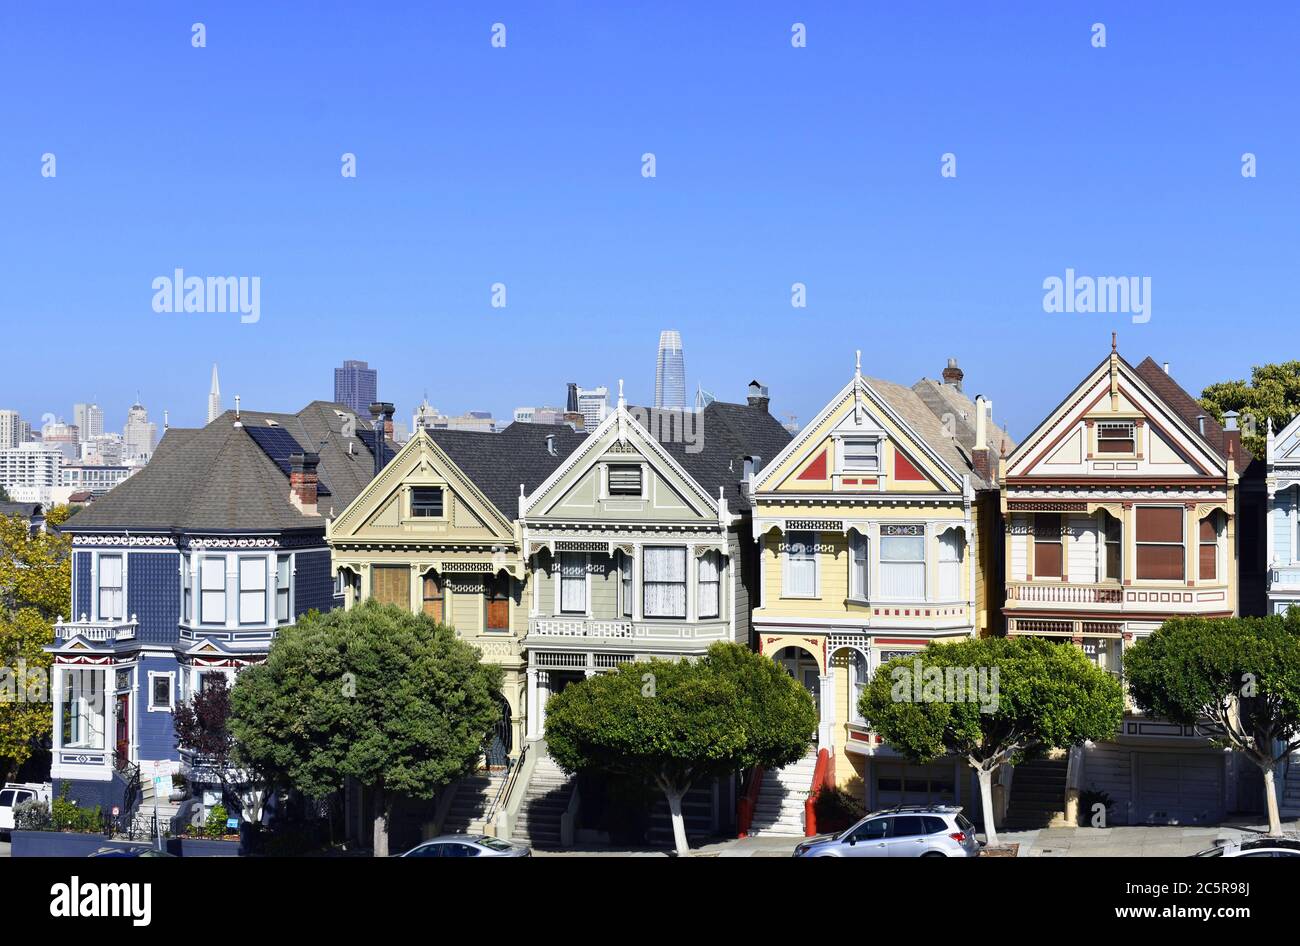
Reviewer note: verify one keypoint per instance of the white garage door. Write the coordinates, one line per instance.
(1179, 789)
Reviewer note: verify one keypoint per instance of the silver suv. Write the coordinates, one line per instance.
(906, 831)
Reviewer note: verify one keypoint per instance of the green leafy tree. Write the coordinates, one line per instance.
(389, 698)
(4, 496)
(35, 589)
(1033, 695)
(1237, 679)
(1272, 393)
(672, 724)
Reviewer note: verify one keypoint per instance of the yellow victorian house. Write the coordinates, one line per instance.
(436, 532)
(877, 531)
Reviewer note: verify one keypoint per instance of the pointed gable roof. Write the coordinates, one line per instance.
(1190, 410)
(498, 463)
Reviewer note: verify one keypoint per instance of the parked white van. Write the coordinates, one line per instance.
(14, 794)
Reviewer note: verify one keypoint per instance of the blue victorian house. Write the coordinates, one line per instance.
(186, 572)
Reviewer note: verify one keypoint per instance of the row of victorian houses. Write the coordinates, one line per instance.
(899, 515)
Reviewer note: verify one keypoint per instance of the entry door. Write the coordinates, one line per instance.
(812, 683)
(122, 736)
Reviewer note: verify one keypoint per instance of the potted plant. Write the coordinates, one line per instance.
(180, 789)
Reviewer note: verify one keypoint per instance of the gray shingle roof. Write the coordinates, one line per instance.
(497, 463)
(216, 478)
(944, 399)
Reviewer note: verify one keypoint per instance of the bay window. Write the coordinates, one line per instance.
(573, 583)
(111, 604)
(1160, 552)
(800, 578)
(252, 590)
(664, 582)
(187, 590)
(951, 546)
(902, 563)
(1209, 547)
(1113, 535)
(283, 577)
(212, 590)
(84, 709)
(859, 680)
(625, 580)
(709, 574)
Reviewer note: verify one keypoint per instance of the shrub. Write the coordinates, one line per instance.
(32, 815)
(836, 809)
(66, 815)
(216, 824)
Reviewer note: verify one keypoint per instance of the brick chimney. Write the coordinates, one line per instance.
(302, 482)
(952, 374)
(1232, 435)
(981, 455)
(758, 395)
(383, 429)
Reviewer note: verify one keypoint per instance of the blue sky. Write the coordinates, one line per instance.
(522, 165)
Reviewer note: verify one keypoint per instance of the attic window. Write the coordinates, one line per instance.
(624, 479)
(1116, 437)
(426, 502)
(862, 455)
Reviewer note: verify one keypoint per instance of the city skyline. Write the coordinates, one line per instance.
(398, 263)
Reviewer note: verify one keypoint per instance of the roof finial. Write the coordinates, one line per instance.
(857, 363)
(1114, 341)
(621, 401)
(237, 421)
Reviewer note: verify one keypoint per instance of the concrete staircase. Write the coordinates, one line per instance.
(1037, 794)
(472, 797)
(545, 801)
(1288, 801)
(697, 813)
(779, 809)
(167, 809)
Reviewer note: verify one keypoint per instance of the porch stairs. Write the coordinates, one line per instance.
(472, 797)
(167, 809)
(779, 810)
(1288, 801)
(697, 813)
(1037, 794)
(545, 802)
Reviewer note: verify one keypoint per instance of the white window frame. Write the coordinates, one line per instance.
(263, 591)
(685, 583)
(82, 702)
(626, 587)
(605, 468)
(787, 560)
(559, 583)
(712, 556)
(859, 583)
(950, 594)
(857, 684)
(120, 587)
(287, 590)
(410, 503)
(170, 676)
(205, 591)
(187, 590)
(923, 562)
(876, 442)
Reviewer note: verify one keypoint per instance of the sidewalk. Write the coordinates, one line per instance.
(1137, 841)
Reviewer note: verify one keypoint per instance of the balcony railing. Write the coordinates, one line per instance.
(1112, 598)
(595, 629)
(1064, 593)
(96, 630)
(1284, 576)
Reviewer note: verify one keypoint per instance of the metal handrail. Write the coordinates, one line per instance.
(513, 767)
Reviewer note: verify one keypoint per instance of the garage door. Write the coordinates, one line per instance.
(1179, 789)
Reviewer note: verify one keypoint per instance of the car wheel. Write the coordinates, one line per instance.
(933, 854)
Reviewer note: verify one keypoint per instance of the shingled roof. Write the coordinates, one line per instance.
(217, 478)
(497, 463)
(726, 435)
(1190, 410)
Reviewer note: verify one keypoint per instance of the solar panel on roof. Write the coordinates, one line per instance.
(278, 444)
(367, 437)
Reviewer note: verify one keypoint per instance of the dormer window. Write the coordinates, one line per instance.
(624, 479)
(1116, 437)
(862, 456)
(426, 502)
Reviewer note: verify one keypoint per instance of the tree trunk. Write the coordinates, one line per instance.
(379, 809)
(986, 803)
(1270, 798)
(679, 824)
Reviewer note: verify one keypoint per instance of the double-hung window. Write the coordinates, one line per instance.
(426, 502)
(187, 590)
(1113, 534)
(858, 566)
(433, 600)
(861, 456)
(902, 563)
(111, 605)
(1209, 543)
(573, 583)
(709, 571)
(1049, 545)
(664, 581)
(800, 579)
(497, 591)
(212, 589)
(951, 546)
(625, 579)
(252, 590)
(1160, 550)
(283, 588)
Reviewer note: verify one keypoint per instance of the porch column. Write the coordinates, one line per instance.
(543, 694)
(826, 725)
(532, 711)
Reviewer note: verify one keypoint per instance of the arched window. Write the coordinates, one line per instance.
(433, 598)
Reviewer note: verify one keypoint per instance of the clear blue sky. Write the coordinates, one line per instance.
(522, 165)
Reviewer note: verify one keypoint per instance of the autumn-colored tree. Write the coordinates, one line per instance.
(1271, 394)
(35, 589)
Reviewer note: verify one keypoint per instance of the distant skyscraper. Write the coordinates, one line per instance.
(89, 419)
(356, 384)
(11, 429)
(593, 405)
(140, 435)
(214, 396)
(670, 372)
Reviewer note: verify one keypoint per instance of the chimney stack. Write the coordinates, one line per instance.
(1166, 367)
(550, 445)
(1232, 434)
(383, 430)
(571, 405)
(981, 455)
(758, 395)
(952, 374)
(302, 482)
